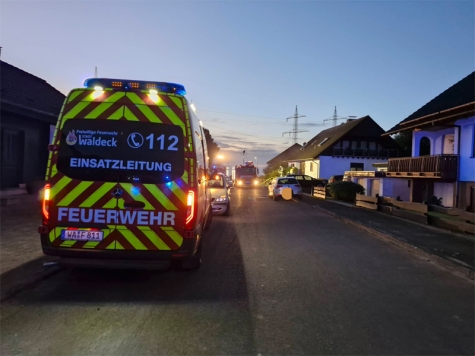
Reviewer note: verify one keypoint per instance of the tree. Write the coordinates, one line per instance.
(404, 139)
(213, 148)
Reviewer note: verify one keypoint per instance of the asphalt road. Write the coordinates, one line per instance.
(278, 278)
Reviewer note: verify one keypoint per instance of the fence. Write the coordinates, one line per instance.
(320, 192)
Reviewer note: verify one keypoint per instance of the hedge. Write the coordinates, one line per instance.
(346, 191)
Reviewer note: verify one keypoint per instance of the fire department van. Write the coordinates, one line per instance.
(126, 177)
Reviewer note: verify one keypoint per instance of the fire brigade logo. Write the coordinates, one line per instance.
(71, 139)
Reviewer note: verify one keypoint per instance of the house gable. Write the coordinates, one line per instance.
(285, 155)
(362, 129)
(458, 100)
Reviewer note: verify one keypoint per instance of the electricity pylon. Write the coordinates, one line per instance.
(296, 130)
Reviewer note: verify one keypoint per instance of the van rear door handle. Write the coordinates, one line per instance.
(135, 205)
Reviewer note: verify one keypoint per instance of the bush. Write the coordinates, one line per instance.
(345, 191)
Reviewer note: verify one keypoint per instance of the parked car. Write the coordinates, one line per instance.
(230, 182)
(277, 184)
(220, 204)
(307, 182)
(334, 179)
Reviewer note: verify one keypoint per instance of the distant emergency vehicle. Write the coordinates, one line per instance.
(126, 176)
(246, 175)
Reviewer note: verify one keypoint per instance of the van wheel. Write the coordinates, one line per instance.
(189, 264)
(228, 208)
(208, 220)
(274, 198)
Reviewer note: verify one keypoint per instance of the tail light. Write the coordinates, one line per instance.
(279, 186)
(46, 195)
(190, 209)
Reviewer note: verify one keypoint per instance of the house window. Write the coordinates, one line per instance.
(424, 147)
(356, 166)
(311, 167)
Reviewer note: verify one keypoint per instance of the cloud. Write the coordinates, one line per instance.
(308, 124)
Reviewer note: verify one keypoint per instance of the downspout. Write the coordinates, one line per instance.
(457, 185)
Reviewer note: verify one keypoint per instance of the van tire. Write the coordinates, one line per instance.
(188, 264)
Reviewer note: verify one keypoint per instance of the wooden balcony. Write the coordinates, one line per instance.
(364, 152)
(439, 166)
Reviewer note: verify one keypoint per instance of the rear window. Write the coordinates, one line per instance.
(121, 151)
(288, 181)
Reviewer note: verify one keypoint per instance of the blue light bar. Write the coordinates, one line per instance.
(126, 84)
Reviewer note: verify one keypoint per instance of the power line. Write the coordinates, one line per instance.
(228, 113)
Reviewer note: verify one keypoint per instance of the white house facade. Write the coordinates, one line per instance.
(352, 146)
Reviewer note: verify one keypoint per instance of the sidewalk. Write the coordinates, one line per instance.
(21, 257)
(452, 250)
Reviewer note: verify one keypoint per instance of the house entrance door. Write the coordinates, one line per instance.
(12, 145)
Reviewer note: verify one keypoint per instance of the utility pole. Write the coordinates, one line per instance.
(296, 130)
(334, 119)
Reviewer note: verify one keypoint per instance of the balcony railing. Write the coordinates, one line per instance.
(365, 152)
(439, 166)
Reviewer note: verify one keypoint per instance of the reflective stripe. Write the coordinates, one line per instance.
(74, 95)
(157, 193)
(68, 199)
(173, 118)
(118, 114)
(129, 115)
(134, 98)
(128, 188)
(55, 189)
(98, 194)
(91, 244)
(131, 238)
(175, 236)
(114, 97)
(178, 192)
(149, 113)
(99, 110)
(54, 170)
(111, 204)
(154, 238)
(74, 111)
(178, 101)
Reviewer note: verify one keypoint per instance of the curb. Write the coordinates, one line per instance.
(451, 266)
